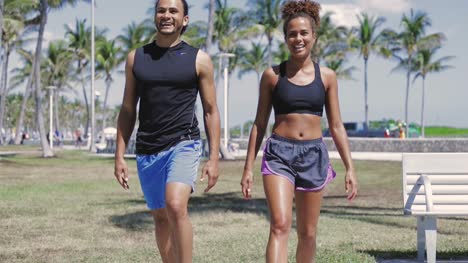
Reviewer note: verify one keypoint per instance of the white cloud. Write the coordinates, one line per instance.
(391, 6)
(48, 37)
(343, 14)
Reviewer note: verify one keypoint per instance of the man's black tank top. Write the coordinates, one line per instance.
(288, 97)
(167, 87)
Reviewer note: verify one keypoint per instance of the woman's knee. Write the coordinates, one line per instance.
(307, 233)
(280, 225)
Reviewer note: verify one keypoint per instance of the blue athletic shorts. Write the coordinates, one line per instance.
(304, 163)
(177, 164)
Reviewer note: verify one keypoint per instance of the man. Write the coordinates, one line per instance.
(165, 76)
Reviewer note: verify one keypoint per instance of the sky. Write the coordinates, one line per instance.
(446, 92)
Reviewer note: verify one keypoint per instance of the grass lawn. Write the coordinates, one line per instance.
(71, 209)
(440, 131)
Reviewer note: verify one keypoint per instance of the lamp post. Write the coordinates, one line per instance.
(93, 118)
(51, 116)
(224, 61)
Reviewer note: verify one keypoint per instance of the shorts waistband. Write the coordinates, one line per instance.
(294, 141)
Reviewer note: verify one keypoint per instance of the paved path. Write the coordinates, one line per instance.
(377, 156)
(415, 261)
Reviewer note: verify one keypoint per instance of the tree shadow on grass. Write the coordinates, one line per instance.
(227, 202)
(460, 256)
(234, 202)
(224, 202)
(136, 221)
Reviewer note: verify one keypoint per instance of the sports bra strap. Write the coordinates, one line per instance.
(317, 71)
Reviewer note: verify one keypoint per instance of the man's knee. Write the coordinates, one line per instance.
(176, 208)
(160, 216)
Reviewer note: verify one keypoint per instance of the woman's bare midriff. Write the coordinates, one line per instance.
(298, 126)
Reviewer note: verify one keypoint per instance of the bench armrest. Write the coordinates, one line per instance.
(427, 191)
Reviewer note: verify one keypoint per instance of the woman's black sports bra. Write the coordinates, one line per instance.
(288, 97)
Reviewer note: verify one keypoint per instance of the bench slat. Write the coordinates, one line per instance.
(438, 189)
(441, 208)
(441, 179)
(442, 199)
(435, 213)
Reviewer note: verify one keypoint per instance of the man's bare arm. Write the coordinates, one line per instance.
(211, 115)
(126, 122)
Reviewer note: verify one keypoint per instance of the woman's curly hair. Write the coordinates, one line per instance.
(301, 8)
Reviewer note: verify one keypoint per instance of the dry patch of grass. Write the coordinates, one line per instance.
(70, 208)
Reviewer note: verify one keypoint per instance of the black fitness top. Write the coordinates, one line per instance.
(291, 98)
(167, 87)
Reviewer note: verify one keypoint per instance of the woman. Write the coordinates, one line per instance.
(295, 162)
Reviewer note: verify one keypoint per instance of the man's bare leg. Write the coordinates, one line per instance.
(177, 196)
(163, 235)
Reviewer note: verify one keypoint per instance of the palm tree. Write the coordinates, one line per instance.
(331, 40)
(281, 54)
(231, 25)
(253, 60)
(425, 64)
(136, 35)
(71, 112)
(44, 7)
(79, 39)
(409, 41)
(107, 59)
(57, 72)
(268, 16)
(368, 40)
(210, 26)
(1, 21)
(36, 79)
(195, 35)
(13, 28)
(12, 102)
(338, 65)
(20, 75)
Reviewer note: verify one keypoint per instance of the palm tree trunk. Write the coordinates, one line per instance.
(104, 106)
(269, 50)
(366, 105)
(1, 23)
(422, 105)
(46, 151)
(408, 76)
(4, 91)
(209, 35)
(85, 97)
(24, 103)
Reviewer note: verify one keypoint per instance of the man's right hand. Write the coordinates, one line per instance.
(121, 172)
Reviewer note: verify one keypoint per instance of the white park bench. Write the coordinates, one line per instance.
(434, 185)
